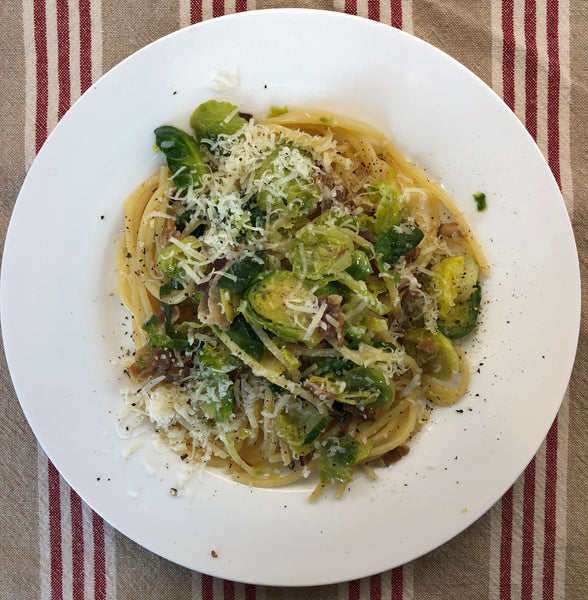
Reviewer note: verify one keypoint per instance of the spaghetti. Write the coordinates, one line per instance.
(296, 288)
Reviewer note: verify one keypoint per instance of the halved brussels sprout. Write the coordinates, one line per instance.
(217, 358)
(461, 318)
(285, 182)
(301, 424)
(454, 281)
(433, 352)
(282, 303)
(338, 455)
(366, 388)
(213, 118)
(219, 401)
(318, 251)
(171, 257)
(386, 215)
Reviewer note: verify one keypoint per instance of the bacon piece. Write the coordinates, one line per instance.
(169, 232)
(209, 309)
(451, 229)
(155, 362)
(367, 414)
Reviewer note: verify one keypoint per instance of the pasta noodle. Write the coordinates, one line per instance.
(296, 287)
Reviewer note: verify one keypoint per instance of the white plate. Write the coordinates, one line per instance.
(63, 327)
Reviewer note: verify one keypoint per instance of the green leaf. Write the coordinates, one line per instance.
(480, 199)
(241, 275)
(394, 243)
(183, 155)
(243, 335)
(170, 337)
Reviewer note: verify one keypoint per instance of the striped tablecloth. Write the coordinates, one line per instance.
(532, 544)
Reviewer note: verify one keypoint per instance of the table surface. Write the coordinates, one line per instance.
(532, 544)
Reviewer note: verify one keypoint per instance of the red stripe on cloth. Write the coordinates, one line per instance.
(218, 8)
(55, 532)
(77, 546)
(240, 5)
(531, 68)
(396, 584)
(374, 10)
(506, 546)
(351, 7)
(195, 11)
(550, 513)
(528, 532)
(553, 87)
(228, 590)
(85, 45)
(42, 67)
(63, 58)
(99, 558)
(508, 53)
(376, 587)
(396, 13)
(551, 450)
(354, 590)
(250, 592)
(207, 587)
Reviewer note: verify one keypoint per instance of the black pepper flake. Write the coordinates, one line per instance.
(459, 410)
(101, 217)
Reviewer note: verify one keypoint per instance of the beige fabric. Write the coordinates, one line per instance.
(467, 567)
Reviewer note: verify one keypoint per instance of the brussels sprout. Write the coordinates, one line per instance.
(360, 267)
(386, 215)
(361, 288)
(283, 304)
(338, 455)
(462, 317)
(217, 358)
(170, 259)
(300, 425)
(337, 218)
(285, 182)
(433, 352)
(366, 388)
(454, 281)
(331, 365)
(395, 242)
(318, 251)
(219, 400)
(213, 118)
(184, 159)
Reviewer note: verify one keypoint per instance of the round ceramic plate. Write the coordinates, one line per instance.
(60, 312)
